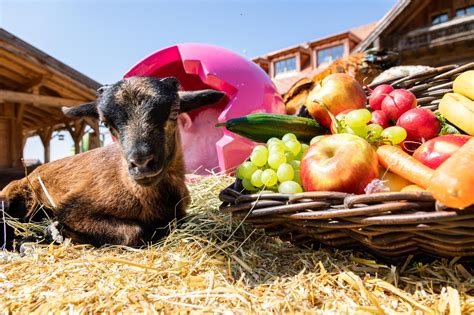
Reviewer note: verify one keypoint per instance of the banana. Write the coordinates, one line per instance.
(459, 110)
(464, 84)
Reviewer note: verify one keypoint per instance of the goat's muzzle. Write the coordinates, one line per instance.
(144, 169)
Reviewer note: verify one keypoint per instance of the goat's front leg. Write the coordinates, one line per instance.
(103, 230)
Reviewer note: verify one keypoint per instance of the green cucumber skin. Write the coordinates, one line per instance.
(261, 127)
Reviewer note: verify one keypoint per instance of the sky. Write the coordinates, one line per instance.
(104, 38)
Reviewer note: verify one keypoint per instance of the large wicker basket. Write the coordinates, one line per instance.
(390, 225)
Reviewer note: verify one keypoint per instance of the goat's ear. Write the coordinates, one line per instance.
(196, 99)
(84, 110)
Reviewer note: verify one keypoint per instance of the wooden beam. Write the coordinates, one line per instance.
(412, 14)
(44, 114)
(18, 47)
(19, 97)
(23, 62)
(66, 90)
(17, 68)
(32, 84)
(36, 126)
(28, 123)
(37, 116)
(12, 75)
(8, 83)
(32, 130)
(70, 87)
(34, 115)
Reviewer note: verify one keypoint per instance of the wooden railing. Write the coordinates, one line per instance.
(444, 33)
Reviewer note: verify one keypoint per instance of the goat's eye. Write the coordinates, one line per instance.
(105, 124)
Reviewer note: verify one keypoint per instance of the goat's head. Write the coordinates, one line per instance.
(141, 112)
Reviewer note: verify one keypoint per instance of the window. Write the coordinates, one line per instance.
(330, 54)
(440, 18)
(465, 11)
(285, 65)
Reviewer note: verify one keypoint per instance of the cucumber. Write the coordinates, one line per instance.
(262, 126)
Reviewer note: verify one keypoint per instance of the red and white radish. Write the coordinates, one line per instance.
(398, 102)
(379, 117)
(378, 94)
(420, 124)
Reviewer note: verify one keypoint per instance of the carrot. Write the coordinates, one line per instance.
(412, 188)
(453, 181)
(397, 161)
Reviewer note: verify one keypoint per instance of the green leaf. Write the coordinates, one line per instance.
(446, 128)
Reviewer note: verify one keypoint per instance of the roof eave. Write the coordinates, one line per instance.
(49, 60)
(382, 25)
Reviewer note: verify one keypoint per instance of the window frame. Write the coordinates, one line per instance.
(464, 9)
(438, 14)
(317, 50)
(284, 59)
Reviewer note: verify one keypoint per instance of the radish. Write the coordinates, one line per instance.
(379, 117)
(378, 94)
(421, 124)
(398, 102)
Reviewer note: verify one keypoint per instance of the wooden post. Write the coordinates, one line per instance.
(24, 139)
(94, 137)
(12, 159)
(76, 129)
(17, 145)
(45, 136)
(4, 136)
(19, 142)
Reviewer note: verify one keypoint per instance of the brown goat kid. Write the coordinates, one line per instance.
(125, 193)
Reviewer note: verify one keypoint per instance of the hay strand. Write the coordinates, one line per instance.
(211, 264)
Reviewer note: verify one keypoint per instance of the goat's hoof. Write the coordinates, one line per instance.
(27, 248)
(53, 234)
(24, 245)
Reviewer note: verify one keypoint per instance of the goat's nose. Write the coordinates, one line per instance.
(141, 162)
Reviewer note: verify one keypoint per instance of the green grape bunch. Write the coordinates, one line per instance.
(274, 166)
(357, 122)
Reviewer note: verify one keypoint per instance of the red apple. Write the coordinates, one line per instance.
(378, 94)
(335, 93)
(434, 152)
(379, 117)
(420, 124)
(397, 102)
(340, 162)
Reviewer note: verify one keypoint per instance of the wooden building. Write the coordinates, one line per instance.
(288, 65)
(426, 32)
(33, 88)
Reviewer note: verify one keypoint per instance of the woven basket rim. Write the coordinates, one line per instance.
(390, 225)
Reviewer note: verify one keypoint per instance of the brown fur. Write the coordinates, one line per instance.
(125, 193)
(95, 184)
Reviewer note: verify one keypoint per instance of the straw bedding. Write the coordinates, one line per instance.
(212, 265)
